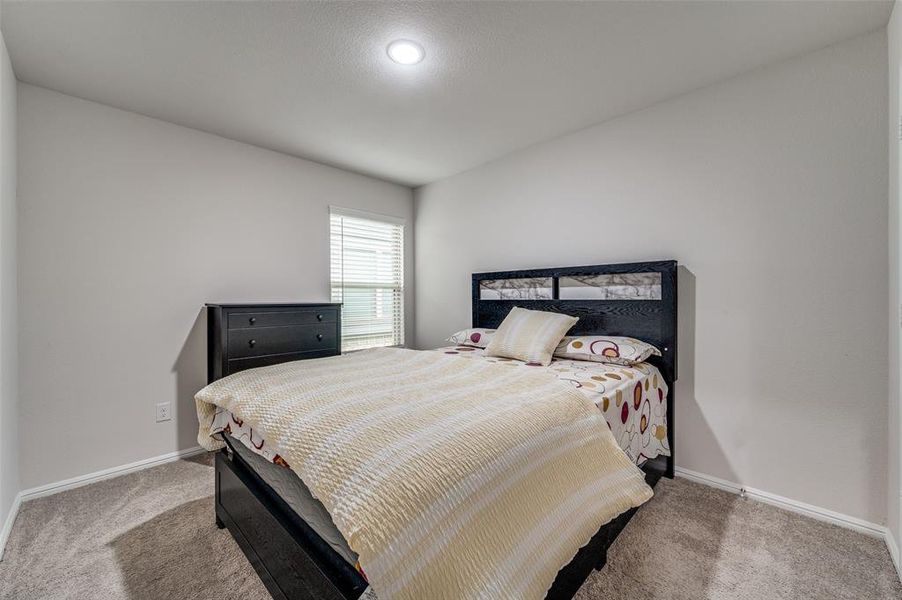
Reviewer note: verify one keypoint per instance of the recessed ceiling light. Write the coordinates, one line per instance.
(405, 52)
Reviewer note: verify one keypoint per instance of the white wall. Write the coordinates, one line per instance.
(9, 452)
(128, 225)
(770, 189)
(894, 425)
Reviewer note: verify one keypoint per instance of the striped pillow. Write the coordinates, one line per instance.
(529, 335)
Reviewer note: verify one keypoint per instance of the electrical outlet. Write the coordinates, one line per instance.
(164, 411)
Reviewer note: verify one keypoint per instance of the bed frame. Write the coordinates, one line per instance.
(295, 563)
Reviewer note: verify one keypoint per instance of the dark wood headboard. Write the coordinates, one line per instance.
(648, 314)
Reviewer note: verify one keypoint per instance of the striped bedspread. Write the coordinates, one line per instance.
(449, 478)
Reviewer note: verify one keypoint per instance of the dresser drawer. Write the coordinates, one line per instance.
(252, 362)
(281, 340)
(246, 320)
(245, 336)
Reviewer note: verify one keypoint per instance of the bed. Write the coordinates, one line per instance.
(631, 398)
(289, 536)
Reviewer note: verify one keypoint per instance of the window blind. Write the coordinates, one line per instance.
(367, 255)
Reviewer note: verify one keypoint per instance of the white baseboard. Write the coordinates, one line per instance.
(8, 523)
(75, 482)
(817, 512)
(709, 480)
(802, 508)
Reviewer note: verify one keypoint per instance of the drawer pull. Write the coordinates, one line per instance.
(252, 320)
(252, 343)
(319, 317)
(319, 336)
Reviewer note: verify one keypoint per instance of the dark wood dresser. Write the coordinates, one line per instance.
(243, 336)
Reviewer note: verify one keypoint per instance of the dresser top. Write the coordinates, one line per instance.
(271, 304)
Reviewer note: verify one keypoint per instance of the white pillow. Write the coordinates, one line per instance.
(476, 337)
(529, 335)
(605, 348)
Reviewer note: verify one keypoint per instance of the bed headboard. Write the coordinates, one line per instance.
(630, 299)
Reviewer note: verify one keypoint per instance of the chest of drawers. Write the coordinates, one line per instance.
(243, 336)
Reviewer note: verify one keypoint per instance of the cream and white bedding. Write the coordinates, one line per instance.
(633, 401)
(449, 478)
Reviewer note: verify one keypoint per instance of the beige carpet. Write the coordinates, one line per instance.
(150, 535)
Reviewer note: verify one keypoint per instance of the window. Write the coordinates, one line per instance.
(368, 278)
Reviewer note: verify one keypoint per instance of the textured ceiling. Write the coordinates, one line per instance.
(313, 80)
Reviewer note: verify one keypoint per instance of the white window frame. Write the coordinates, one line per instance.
(387, 219)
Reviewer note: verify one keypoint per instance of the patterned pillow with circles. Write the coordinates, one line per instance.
(478, 338)
(605, 348)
